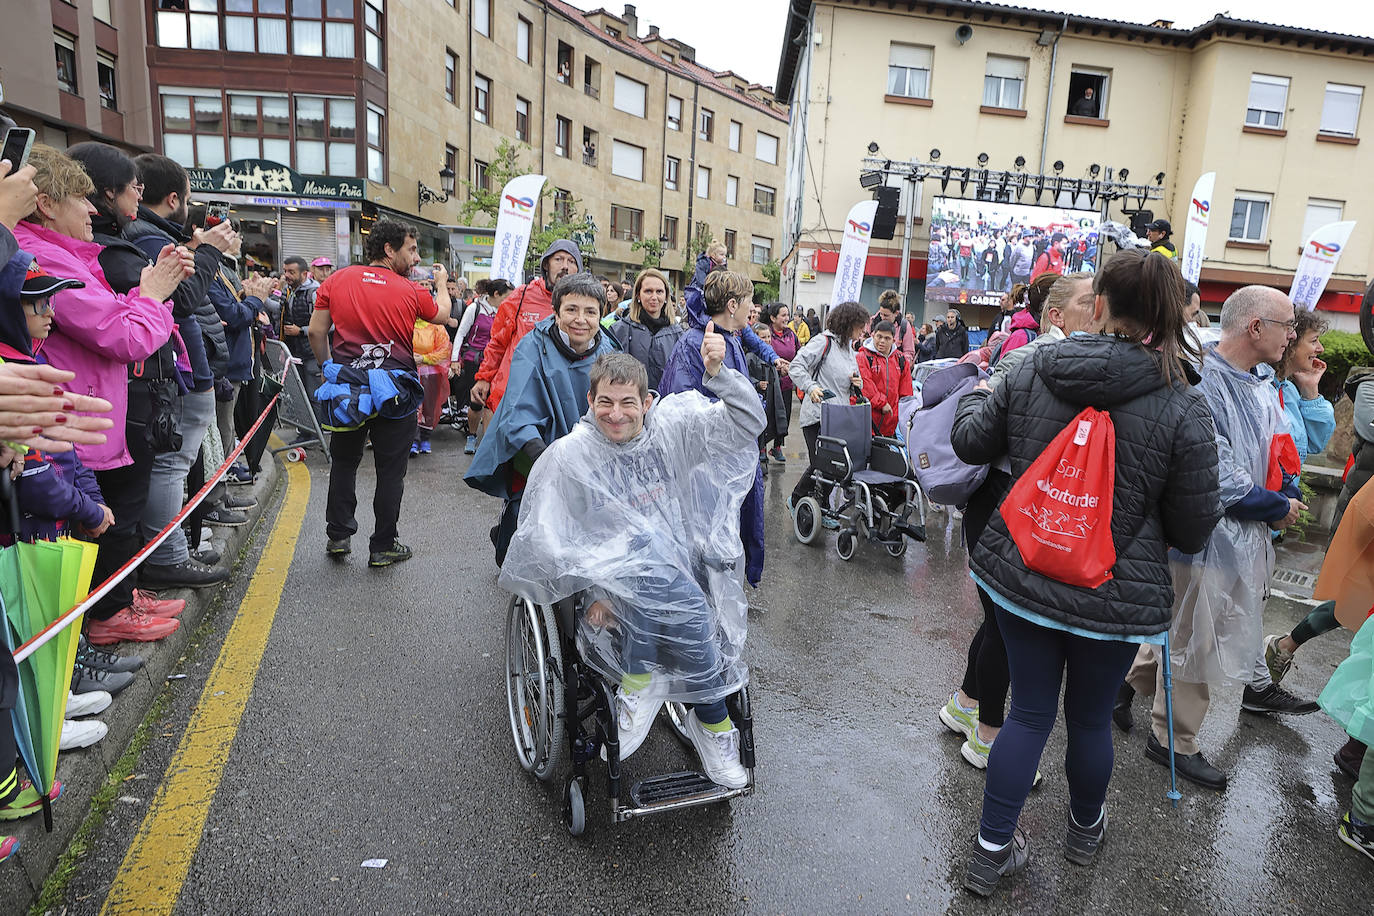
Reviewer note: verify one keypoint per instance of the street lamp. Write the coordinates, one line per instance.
(428, 195)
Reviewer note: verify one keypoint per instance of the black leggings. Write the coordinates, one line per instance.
(987, 677)
(1321, 620)
(808, 486)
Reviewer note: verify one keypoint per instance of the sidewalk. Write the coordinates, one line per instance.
(85, 771)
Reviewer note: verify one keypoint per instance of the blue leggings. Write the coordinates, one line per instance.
(1038, 657)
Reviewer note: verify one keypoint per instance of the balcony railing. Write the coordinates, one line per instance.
(589, 159)
(592, 91)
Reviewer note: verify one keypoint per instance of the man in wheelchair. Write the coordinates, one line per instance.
(637, 510)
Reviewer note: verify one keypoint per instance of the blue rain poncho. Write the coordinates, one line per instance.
(650, 527)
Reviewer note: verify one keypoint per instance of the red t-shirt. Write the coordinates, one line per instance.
(374, 311)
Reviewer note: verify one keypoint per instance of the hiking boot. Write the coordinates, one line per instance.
(237, 503)
(81, 734)
(719, 753)
(1275, 699)
(396, 553)
(150, 604)
(986, 867)
(1349, 758)
(91, 657)
(207, 555)
(28, 801)
(130, 624)
(958, 719)
(1192, 767)
(94, 680)
(225, 518)
(87, 704)
(239, 476)
(776, 454)
(1121, 712)
(1356, 834)
(337, 547)
(1081, 843)
(471, 447)
(635, 713)
(1275, 659)
(188, 573)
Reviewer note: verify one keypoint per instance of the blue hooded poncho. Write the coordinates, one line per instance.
(545, 397)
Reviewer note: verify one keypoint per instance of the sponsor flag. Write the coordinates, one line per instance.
(1319, 256)
(849, 272)
(513, 227)
(1195, 235)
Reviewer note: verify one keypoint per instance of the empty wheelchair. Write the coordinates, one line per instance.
(873, 490)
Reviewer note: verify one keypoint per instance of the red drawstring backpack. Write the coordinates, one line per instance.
(1059, 513)
(1284, 460)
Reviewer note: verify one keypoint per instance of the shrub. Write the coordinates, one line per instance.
(1344, 351)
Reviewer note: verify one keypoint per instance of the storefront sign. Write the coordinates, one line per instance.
(264, 177)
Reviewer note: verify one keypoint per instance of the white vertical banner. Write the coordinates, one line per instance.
(1195, 233)
(513, 227)
(1320, 253)
(849, 272)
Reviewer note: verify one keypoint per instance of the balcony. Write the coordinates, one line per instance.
(592, 91)
(589, 158)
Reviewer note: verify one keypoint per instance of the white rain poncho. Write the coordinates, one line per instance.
(1219, 594)
(651, 528)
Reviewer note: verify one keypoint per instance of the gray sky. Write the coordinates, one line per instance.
(746, 35)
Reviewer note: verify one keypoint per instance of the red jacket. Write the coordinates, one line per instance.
(887, 379)
(519, 313)
(1051, 260)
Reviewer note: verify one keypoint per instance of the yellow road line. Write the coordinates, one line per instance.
(155, 867)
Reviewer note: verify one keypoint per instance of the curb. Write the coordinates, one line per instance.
(85, 771)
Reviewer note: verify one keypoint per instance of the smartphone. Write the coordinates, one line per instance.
(216, 213)
(18, 142)
(195, 217)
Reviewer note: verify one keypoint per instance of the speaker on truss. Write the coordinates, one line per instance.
(885, 219)
(1140, 219)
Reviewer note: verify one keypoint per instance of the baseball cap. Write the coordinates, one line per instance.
(1160, 225)
(321, 262)
(38, 282)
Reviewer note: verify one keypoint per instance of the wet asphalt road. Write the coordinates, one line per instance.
(378, 729)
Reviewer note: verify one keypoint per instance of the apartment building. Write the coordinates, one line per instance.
(76, 72)
(1274, 111)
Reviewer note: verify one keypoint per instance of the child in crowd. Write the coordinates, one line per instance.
(433, 353)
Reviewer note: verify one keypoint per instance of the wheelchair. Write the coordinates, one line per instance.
(558, 704)
(880, 500)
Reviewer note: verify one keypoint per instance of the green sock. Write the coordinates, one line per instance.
(718, 727)
(634, 683)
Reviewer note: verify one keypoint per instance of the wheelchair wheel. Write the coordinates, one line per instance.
(534, 687)
(844, 544)
(897, 549)
(575, 807)
(806, 519)
(677, 718)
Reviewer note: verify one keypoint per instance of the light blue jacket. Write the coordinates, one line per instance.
(1311, 423)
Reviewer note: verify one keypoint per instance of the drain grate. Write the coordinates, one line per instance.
(1294, 577)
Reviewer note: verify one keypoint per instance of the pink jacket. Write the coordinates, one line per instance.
(96, 332)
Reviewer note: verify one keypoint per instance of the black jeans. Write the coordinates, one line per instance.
(246, 411)
(391, 454)
(125, 491)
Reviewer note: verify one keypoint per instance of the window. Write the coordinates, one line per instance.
(1341, 109)
(562, 135)
(674, 113)
(481, 98)
(451, 77)
(765, 198)
(736, 129)
(589, 147)
(101, 10)
(1004, 83)
(1088, 93)
(627, 223)
(666, 56)
(1320, 213)
(190, 24)
(373, 30)
(326, 131)
(731, 190)
(262, 27)
(766, 148)
(481, 16)
(669, 232)
(703, 182)
(630, 95)
(376, 144)
(522, 38)
(313, 33)
(565, 56)
(730, 244)
(908, 70)
(105, 77)
(707, 127)
(760, 249)
(65, 46)
(522, 119)
(1268, 99)
(562, 204)
(260, 128)
(193, 128)
(671, 168)
(591, 77)
(451, 158)
(1250, 217)
(480, 180)
(627, 160)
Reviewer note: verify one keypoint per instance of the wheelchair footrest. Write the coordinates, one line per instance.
(676, 790)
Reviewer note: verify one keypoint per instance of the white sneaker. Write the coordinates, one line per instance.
(719, 753)
(81, 733)
(87, 704)
(636, 711)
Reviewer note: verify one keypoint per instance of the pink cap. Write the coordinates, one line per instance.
(321, 262)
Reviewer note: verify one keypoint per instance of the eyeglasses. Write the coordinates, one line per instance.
(137, 186)
(1291, 324)
(40, 307)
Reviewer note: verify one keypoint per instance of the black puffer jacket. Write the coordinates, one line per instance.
(1166, 476)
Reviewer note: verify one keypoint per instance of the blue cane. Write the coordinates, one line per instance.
(1173, 793)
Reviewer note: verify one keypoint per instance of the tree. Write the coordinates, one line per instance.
(567, 219)
(653, 251)
(767, 291)
(697, 240)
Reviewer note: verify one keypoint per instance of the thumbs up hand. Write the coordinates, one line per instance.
(712, 350)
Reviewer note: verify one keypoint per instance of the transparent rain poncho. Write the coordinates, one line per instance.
(651, 529)
(1219, 594)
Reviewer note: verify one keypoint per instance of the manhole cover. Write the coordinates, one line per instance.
(1295, 578)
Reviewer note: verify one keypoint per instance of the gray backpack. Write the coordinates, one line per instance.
(943, 477)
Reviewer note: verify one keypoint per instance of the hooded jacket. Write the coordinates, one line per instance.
(524, 308)
(1166, 485)
(96, 332)
(1022, 329)
(750, 341)
(123, 263)
(887, 379)
(807, 372)
(951, 343)
(651, 347)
